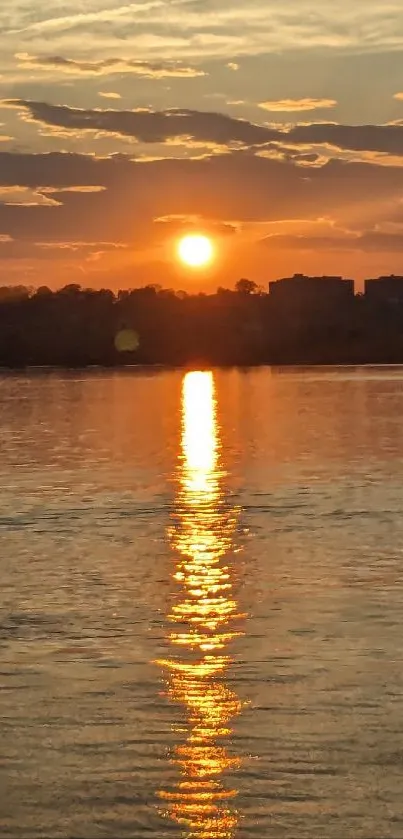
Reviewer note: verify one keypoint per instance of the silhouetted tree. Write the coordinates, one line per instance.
(244, 286)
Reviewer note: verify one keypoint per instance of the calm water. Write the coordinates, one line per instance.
(201, 604)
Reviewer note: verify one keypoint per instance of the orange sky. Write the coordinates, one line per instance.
(277, 131)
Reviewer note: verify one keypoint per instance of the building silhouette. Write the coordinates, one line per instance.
(384, 290)
(311, 303)
(311, 291)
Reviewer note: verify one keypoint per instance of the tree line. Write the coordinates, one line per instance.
(75, 326)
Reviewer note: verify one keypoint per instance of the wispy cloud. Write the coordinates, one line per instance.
(107, 67)
(49, 189)
(200, 28)
(81, 245)
(296, 104)
(109, 94)
(371, 241)
(23, 19)
(24, 196)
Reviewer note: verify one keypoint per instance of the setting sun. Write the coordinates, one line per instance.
(195, 250)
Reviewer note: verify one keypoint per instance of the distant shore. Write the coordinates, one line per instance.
(151, 327)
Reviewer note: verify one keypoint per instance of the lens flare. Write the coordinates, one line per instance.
(126, 340)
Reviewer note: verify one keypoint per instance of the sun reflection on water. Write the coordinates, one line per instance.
(205, 619)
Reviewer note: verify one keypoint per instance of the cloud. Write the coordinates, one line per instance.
(12, 249)
(142, 206)
(296, 104)
(309, 159)
(370, 241)
(237, 197)
(61, 170)
(25, 196)
(232, 65)
(109, 94)
(214, 28)
(215, 189)
(148, 126)
(80, 246)
(49, 189)
(108, 66)
(382, 138)
(177, 224)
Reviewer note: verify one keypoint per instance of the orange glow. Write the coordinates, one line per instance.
(204, 622)
(195, 250)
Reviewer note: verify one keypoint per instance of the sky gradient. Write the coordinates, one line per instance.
(276, 127)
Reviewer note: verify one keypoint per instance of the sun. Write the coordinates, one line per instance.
(195, 250)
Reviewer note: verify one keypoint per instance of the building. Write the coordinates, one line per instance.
(384, 290)
(311, 293)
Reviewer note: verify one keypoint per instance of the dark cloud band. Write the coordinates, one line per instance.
(148, 126)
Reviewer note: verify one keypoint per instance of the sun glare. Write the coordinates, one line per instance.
(195, 250)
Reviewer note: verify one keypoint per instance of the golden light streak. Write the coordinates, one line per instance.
(205, 621)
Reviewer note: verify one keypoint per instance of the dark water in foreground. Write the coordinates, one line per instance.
(201, 604)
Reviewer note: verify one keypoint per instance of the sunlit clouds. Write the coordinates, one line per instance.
(293, 105)
(233, 115)
(221, 29)
(106, 67)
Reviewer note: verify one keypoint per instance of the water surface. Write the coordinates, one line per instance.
(201, 604)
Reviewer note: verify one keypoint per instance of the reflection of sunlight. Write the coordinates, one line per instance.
(199, 440)
(203, 619)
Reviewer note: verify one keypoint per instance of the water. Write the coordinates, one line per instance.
(201, 604)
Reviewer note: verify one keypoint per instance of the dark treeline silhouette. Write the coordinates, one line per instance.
(75, 327)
